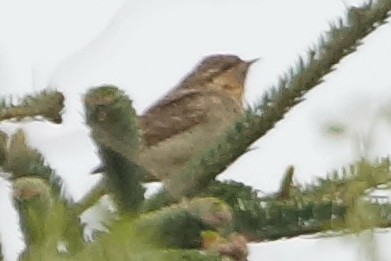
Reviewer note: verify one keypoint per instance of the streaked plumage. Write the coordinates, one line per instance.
(193, 115)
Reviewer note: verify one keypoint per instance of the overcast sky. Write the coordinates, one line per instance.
(146, 46)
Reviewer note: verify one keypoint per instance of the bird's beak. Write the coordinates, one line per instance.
(250, 62)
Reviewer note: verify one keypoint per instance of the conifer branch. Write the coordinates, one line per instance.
(180, 225)
(45, 220)
(33, 201)
(114, 128)
(166, 233)
(39, 199)
(340, 202)
(92, 197)
(341, 40)
(234, 246)
(22, 161)
(47, 104)
(286, 184)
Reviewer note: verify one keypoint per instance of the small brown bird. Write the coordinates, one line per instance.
(192, 116)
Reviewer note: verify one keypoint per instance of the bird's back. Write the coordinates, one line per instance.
(184, 130)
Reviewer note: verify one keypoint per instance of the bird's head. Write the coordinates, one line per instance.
(221, 73)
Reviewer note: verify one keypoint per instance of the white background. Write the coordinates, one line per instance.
(146, 46)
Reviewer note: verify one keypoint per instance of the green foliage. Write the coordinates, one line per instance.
(156, 235)
(112, 119)
(341, 41)
(38, 196)
(204, 219)
(339, 202)
(180, 225)
(22, 161)
(113, 122)
(47, 104)
(245, 203)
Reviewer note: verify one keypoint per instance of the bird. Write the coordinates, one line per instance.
(190, 118)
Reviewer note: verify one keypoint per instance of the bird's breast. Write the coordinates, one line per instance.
(172, 154)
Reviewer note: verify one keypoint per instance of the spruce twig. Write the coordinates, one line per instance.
(22, 161)
(114, 128)
(340, 202)
(47, 104)
(153, 235)
(342, 39)
(92, 197)
(40, 201)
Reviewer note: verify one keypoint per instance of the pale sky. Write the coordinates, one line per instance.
(146, 46)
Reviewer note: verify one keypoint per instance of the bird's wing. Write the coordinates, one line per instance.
(173, 115)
